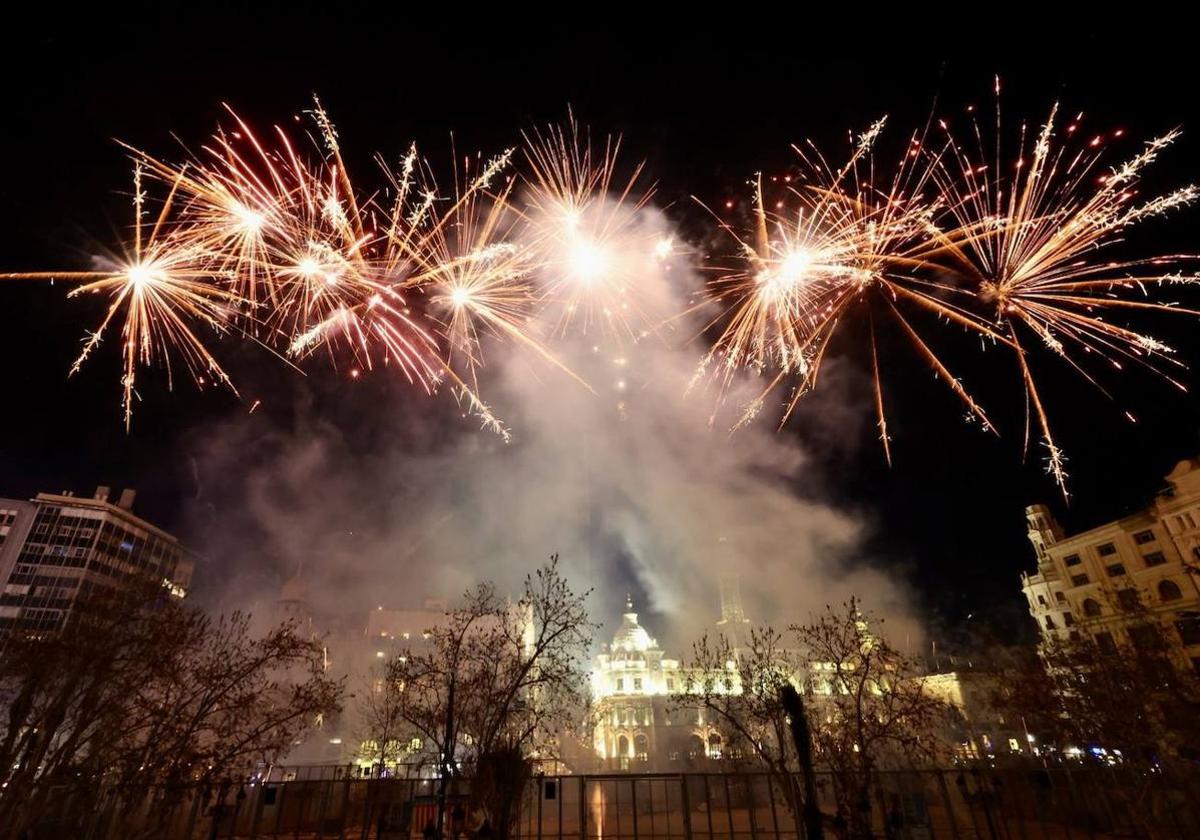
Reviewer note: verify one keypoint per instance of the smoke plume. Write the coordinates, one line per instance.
(634, 483)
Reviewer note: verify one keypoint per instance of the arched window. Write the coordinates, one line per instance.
(641, 747)
(622, 747)
(1091, 607)
(714, 746)
(1168, 590)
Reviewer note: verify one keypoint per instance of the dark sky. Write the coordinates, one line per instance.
(705, 109)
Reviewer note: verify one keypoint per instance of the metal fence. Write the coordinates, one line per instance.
(989, 804)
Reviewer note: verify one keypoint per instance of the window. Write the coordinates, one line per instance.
(1105, 642)
(1127, 599)
(620, 684)
(1154, 558)
(1115, 569)
(1061, 598)
(1049, 623)
(1168, 590)
(1091, 608)
(1079, 580)
(1071, 560)
(1106, 550)
(637, 683)
(1042, 600)
(1143, 537)
(1189, 630)
(670, 684)
(1068, 619)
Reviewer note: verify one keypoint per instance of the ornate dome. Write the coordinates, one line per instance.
(631, 636)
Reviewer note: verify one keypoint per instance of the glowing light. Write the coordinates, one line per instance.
(795, 266)
(251, 220)
(140, 276)
(588, 261)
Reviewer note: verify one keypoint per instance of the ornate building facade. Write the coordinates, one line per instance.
(638, 721)
(1106, 581)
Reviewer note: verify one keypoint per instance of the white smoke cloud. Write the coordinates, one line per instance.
(634, 486)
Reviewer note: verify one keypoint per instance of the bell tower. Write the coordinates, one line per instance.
(1044, 530)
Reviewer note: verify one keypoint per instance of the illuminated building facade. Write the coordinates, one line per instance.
(638, 723)
(71, 547)
(977, 728)
(1107, 581)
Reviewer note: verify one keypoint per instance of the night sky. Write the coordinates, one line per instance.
(705, 111)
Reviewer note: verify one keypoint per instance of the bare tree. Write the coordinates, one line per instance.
(382, 729)
(869, 702)
(141, 693)
(740, 688)
(1125, 685)
(497, 681)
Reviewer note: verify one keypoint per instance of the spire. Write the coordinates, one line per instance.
(731, 601)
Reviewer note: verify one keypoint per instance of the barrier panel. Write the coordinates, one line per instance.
(958, 804)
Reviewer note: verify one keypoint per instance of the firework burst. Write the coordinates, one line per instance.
(1035, 243)
(159, 292)
(837, 246)
(588, 234)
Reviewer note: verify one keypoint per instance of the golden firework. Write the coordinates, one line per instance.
(1037, 246)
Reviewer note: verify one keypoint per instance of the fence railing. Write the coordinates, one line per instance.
(968, 804)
